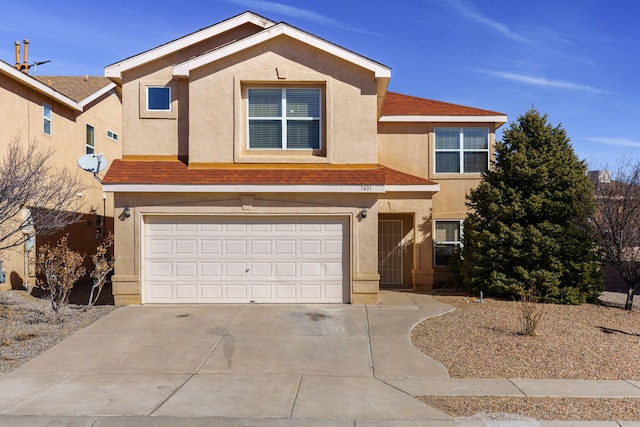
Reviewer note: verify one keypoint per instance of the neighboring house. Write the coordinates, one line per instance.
(73, 116)
(262, 163)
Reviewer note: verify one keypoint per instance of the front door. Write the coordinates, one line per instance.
(390, 251)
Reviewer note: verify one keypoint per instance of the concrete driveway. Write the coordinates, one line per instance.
(290, 363)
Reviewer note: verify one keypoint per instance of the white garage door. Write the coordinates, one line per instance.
(239, 260)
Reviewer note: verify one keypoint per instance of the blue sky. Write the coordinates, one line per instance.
(576, 60)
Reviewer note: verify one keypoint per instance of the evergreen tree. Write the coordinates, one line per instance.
(529, 219)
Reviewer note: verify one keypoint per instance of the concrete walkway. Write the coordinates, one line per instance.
(258, 365)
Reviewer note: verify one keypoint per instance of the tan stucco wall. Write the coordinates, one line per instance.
(208, 118)
(21, 116)
(162, 136)
(128, 278)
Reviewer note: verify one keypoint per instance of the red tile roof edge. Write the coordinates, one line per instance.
(177, 173)
(397, 104)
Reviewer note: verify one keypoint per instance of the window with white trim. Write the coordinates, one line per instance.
(112, 135)
(447, 239)
(90, 142)
(158, 98)
(46, 119)
(462, 150)
(284, 119)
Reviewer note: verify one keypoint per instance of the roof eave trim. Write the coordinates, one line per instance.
(445, 119)
(239, 188)
(40, 87)
(115, 70)
(184, 69)
(97, 94)
(423, 188)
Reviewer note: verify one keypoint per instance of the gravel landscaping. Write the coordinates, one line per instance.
(482, 340)
(28, 326)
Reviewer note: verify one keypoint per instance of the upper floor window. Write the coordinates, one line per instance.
(46, 119)
(158, 98)
(90, 142)
(447, 239)
(284, 119)
(462, 150)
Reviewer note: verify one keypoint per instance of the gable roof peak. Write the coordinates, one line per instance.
(116, 69)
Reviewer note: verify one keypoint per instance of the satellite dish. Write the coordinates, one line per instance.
(93, 163)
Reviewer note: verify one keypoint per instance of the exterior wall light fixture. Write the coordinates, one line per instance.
(364, 212)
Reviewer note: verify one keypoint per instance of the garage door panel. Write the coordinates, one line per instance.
(237, 260)
(159, 247)
(160, 269)
(211, 247)
(261, 247)
(210, 269)
(186, 247)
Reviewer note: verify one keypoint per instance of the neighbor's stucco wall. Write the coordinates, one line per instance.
(21, 116)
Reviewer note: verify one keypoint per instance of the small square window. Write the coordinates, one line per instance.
(158, 98)
(90, 143)
(46, 119)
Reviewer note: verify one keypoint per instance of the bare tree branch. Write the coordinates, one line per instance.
(30, 180)
(616, 223)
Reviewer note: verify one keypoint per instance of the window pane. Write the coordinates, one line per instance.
(46, 111)
(303, 134)
(447, 231)
(476, 138)
(159, 98)
(447, 138)
(447, 162)
(444, 253)
(265, 103)
(46, 126)
(90, 141)
(476, 162)
(303, 103)
(265, 134)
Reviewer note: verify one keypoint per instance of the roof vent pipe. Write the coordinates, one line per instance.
(25, 64)
(17, 55)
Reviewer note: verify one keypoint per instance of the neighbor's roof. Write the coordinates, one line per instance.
(399, 107)
(127, 175)
(77, 88)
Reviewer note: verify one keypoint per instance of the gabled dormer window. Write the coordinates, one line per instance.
(284, 119)
(46, 119)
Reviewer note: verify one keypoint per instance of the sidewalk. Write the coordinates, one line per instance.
(260, 365)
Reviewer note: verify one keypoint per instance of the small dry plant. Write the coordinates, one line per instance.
(61, 268)
(103, 265)
(530, 311)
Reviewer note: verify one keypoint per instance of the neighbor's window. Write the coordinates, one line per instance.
(46, 119)
(462, 150)
(447, 240)
(284, 119)
(90, 142)
(158, 98)
(112, 135)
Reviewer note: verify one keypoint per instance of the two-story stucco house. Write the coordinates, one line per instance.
(262, 163)
(72, 116)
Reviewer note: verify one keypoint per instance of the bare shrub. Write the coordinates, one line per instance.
(61, 268)
(36, 195)
(530, 311)
(103, 265)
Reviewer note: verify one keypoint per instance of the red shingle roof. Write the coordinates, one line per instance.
(396, 104)
(177, 173)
